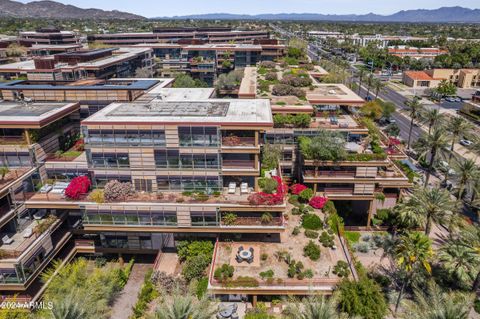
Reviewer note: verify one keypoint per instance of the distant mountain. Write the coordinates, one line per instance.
(52, 9)
(444, 14)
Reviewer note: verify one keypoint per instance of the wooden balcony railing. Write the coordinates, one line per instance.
(238, 164)
(312, 173)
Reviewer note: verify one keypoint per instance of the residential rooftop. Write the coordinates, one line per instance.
(334, 94)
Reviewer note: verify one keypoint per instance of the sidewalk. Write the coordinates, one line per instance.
(122, 308)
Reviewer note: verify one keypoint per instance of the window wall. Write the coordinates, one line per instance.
(15, 159)
(198, 136)
(173, 159)
(108, 160)
(125, 137)
(204, 218)
(131, 217)
(207, 184)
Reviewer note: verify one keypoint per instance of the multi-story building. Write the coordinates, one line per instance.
(47, 36)
(82, 64)
(415, 53)
(177, 35)
(462, 78)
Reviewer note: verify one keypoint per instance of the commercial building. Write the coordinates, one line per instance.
(50, 36)
(462, 78)
(82, 64)
(179, 35)
(415, 53)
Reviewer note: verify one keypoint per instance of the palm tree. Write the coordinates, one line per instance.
(185, 307)
(467, 173)
(414, 108)
(433, 145)
(370, 80)
(413, 251)
(361, 74)
(379, 86)
(431, 117)
(433, 303)
(470, 236)
(458, 126)
(433, 204)
(459, 259)
(313, 307)
(68, 308)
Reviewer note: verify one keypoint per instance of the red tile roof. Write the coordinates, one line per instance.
(419, 75)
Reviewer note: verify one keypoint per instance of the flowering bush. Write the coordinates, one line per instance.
(393, 141)
(318, 202)
(77, 187)
(117, 191)
(297, 188)
(79, 145)
(262, 198)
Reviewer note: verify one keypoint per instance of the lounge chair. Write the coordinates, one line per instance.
(244, 188)
(28, 233)
(7, 240)
(232, 188)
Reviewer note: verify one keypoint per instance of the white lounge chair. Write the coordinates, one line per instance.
(244, 188)
(40, 214)
(231, 188)
(28, 233)
(7, 240)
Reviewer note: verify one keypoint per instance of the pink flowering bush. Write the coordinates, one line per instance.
(262, 198)
(297, 188)
(77, 187)
(318, 202)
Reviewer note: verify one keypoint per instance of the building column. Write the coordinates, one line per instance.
(370, 213)
(27, 137)
(314, 188)
(254, 301)
(256, 138)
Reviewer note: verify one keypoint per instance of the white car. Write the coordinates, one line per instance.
(466, 142)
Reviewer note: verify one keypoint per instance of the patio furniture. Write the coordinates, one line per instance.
(244, 188)
(7, 240)
(28, 233)
(240, 248)
(251, 250)
(226, 311)
(46, 188)
(250, 260)
(245, 254)
(238, 259)
(232, 188)
(59, 187)
(40, 214)
(235, 316)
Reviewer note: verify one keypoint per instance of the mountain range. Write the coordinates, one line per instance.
(444, 14)
(56, 10)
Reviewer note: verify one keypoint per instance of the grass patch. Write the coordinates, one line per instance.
(352, 236)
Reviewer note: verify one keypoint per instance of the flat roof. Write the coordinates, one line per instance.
(241, 112)
(334, 94)
(179, 94)
(33, 115)
(248, 86)
(112, 84)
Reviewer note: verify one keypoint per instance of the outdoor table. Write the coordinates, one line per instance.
(245, 254)
(227, 312)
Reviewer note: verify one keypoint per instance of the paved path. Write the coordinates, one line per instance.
(122, 308)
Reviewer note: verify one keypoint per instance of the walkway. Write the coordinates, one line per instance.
(122, 308)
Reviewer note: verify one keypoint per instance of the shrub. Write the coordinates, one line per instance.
(318, 202)
(268, 64)
(264, 256)
(224, 272)
(271, 76)
(194, 267)
(269, 185)
(188, 249)
(362, 298)
(229, 219)
(288, 120)
(329, 208)
(296, 231)
(267, 274)
(308, 273)
(168, 283)
(201, 197)
(341, 269)
(311, 221)
(296, 81)
(243, 281)
(201, 287)
(294, 268)
(293, 199)
(352, 236)
(312, 250)
(97, 196)
(284, 89)
(476, 306)
(145, 296)
(117, 191)
(311, 234)
(77, 187)
(100, 262)
(361, 247)
(306, 194)
(327, 240)
(297, 188)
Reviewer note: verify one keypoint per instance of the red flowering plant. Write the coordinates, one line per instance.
(318, 202)
(262, 198)
(79, 145)
(77, 187)
(297, 188)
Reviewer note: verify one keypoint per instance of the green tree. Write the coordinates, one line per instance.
(186, 81)
(414, 108)
(313, 307)
(433, 303)
(458, 126)
(432, 117)
(184, 307)
(460, 259)
(446, 88)
(412, 252)
(467, 172)
(372, 109)
(432, 145)
(378, 86)
(4, 171)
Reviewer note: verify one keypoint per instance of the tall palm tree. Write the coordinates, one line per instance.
(433, 144)
(434, 204)
(313, 307)
(414, 108)
(460, 259)
(378, 86)
(467, 173)
(370, 80)
(185, 307)
(431, 117)
(458, 126)
(433, 303)
(413, 251)
(470, 236)
(361, 74)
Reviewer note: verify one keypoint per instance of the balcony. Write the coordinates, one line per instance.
(236, 141)
(238, 164)
(328, 174)
(253, 221)
(13, 140)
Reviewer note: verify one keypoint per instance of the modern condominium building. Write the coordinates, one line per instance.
(51, 36)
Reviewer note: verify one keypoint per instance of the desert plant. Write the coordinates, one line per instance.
(296, 231)
(229, 219)
(115, 191)
(269, 185)
(267, 274)
(97, 196)
(312, 251)
(311, 234)
(311, 221)
(266, 218)
(4, 171)
(306, 194)
(327, 240)
(224, 272)
(341, 269)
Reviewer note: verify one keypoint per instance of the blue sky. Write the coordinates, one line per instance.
(152, 8)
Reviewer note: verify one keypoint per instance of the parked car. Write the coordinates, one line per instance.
(466, 142)
(450, 99)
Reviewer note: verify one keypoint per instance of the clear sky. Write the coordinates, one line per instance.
(160, 8)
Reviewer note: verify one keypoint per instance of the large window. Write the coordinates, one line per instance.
(173, 159)
(207, 184)
(198, 136)
(126, 137)
(101, 180)
(15, 159)
(110, 160)
(140, 217)
(204, 218)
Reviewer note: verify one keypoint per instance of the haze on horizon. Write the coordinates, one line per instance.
(163, 8)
